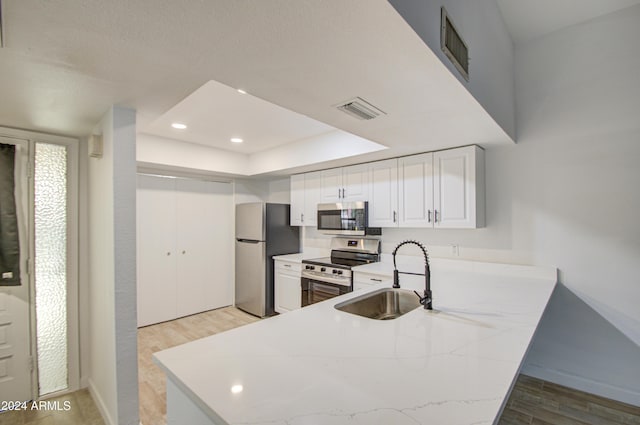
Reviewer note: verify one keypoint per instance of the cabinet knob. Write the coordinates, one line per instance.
(168, 253)
(184, 252)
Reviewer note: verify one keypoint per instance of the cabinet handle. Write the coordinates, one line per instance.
(168, 254)
(343, 193)
(376, 280)
(395, 216)
(429, 216)
(302, 217)
(435, 216)
(339, 193)
(184, 252)
(287, 265)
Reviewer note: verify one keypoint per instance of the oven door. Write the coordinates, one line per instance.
(315, 291)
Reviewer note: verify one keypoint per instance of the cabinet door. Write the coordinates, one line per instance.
(155, 245)
(331, 185)
(415, 175)
(455, 200)
(204, 229)
(287, 291)
(311, 198)
(383, 193)
(366, 280)
(298, 205)
(355, 183)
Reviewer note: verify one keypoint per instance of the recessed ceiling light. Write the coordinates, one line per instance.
(242, 91)
(178, 126)
(236, 389)
(236, 140)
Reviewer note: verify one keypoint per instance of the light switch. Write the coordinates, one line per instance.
(7, 275)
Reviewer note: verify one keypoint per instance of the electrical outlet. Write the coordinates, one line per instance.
(455, 250)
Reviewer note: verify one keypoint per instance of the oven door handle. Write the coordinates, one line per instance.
(331, 280)
(327, 289)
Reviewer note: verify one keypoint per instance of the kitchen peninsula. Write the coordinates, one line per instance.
(317, 365)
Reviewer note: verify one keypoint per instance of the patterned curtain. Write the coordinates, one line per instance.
(9, 240)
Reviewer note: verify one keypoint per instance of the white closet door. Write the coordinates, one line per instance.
(156, 275)
(204, 234)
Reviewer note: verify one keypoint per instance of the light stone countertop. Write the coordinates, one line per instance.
(318, 365)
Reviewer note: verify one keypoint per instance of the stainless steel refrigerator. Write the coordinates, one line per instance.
(262, 231)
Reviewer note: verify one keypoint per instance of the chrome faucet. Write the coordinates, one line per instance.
(426, 300)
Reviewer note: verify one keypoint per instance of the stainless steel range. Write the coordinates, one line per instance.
(324, 278)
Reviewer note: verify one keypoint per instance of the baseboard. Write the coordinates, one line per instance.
(622, 395)
(100, 404)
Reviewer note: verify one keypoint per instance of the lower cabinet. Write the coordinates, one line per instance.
(287, 291)
(363, 280)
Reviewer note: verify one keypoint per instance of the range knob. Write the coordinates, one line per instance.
(339, 271)
(309, 268)
(323, 269)
(334, 271)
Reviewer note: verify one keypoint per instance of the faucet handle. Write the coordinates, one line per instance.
(425, 301)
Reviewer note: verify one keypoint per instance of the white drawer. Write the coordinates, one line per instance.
(291, 266)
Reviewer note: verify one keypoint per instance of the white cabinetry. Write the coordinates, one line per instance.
(287, 291)
(344, 184)
(184, 240)
(443, 189)
(362, 280)
(305, 197)
(416, 190)
(458, 188)
(383, 193)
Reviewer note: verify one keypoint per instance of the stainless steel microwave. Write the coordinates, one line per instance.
(343, 218)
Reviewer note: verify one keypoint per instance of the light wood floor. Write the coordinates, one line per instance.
(532, 401)
(81, 411)
(152, 385)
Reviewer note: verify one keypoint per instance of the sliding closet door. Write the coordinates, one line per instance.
(204, 234)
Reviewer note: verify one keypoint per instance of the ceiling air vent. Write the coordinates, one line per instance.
(453, 45)
(360, 108)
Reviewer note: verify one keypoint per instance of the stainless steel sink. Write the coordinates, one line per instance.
(383, 304)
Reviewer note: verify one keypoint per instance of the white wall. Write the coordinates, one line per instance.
(113, 377)
(491, 66)
(567, 195)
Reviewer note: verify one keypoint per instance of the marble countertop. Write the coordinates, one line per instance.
(318, 365)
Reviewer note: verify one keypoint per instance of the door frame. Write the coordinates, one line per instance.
(73, 331)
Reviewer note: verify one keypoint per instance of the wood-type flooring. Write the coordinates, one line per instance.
(151, 379)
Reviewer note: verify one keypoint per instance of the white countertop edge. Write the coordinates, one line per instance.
(189, 393)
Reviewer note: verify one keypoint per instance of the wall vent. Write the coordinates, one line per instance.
(360, 108)
(453, 45)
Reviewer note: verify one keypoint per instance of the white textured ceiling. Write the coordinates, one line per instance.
(65, 62)
(527, 19)
(215, 113)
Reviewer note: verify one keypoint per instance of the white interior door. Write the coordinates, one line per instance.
(15, 332)
(156, 218)
(204, 245)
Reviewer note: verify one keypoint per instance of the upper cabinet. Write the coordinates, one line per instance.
(305, 197)
(458, 188)
(383, 193)
(443, 189)
(344, 184)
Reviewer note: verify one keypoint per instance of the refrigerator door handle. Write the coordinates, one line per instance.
(248, 240)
